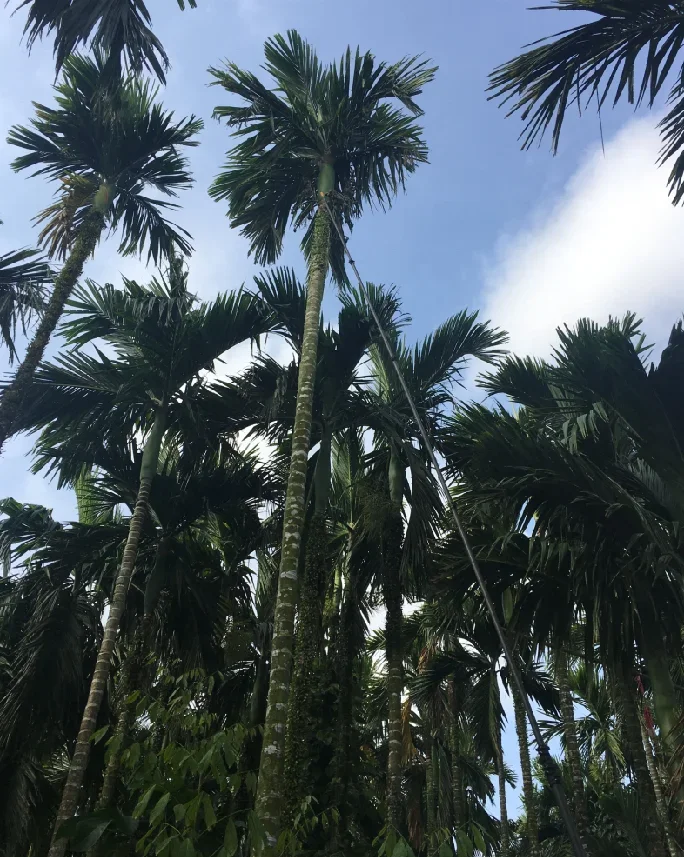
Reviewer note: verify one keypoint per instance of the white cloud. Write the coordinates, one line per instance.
(612, 242)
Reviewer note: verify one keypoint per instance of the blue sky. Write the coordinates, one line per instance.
(532, 240)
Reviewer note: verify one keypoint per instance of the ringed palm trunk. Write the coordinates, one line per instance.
(457, 796)
(393, 536)
(431, 791)
(661, 803)
(89, 234)
(301, 744)
(626, 701)
(501, 771)
(572, 753)
(532, 825)
(270, 796)
(344, 668)
(79, 760)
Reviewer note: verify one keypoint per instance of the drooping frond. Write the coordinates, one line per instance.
(23, 278)
(596, 60)
(119, 29)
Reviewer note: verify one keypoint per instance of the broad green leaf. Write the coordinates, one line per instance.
(96, 737)
(230, 839)
(141, 806)
(209, 814)
(158, 811)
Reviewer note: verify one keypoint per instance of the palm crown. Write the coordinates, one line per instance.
(163, 342)
(106, 146)
(316, 115)
(114, 26)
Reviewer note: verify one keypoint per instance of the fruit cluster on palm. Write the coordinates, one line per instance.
(200, 665)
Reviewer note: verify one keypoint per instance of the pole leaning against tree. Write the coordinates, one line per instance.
(548, 763)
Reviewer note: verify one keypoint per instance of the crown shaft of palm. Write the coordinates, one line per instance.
(270, 798)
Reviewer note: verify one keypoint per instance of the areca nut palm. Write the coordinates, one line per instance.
(322, 138)
(23, 278)
(162, 343)
(106, 146)
(598, 59)
(430, 369)
(116, 27)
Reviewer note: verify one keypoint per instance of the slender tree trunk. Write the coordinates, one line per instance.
(627, 704)
(393, 537)
(270, 797)
(572, 753)
(661, 803)
(503, 805)
(301, 745)
(79, 761)
(344, 667)
(12, 399)
(395, 683)
(457, 796)
(431, 792)
(526, 769)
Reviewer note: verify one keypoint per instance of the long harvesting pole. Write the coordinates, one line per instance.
(546, 760)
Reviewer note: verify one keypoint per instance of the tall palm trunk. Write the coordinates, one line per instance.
(391, 584)
(625, 699)
(431, 792)
(270, 797)
(301, 745)
(501, 771)
(457, 796)
(13, 397)
(661, 803)
(79, 761)
(572, 753)
(131, 673)
(345, 656)
(532, 825)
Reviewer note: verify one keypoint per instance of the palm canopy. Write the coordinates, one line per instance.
(107, 146)
(262, 398)
(115, 27)
(23, 277)
(338, 115)
(164, 344)
(598, 59)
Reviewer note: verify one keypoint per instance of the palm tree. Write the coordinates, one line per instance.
(325, 138)
(115, 28)
(105, 147)
(162, 342)
(23, 277)
(431, 369)
(596, 59)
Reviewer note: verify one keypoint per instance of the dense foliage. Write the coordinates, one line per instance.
(263, 634)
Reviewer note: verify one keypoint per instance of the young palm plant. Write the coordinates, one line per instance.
(107, 146)
(163, 342)
(322, 138)
(595, 59)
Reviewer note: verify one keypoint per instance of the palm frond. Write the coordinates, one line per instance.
(23, 278)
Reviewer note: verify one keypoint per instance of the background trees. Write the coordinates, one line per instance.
(230, 527)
